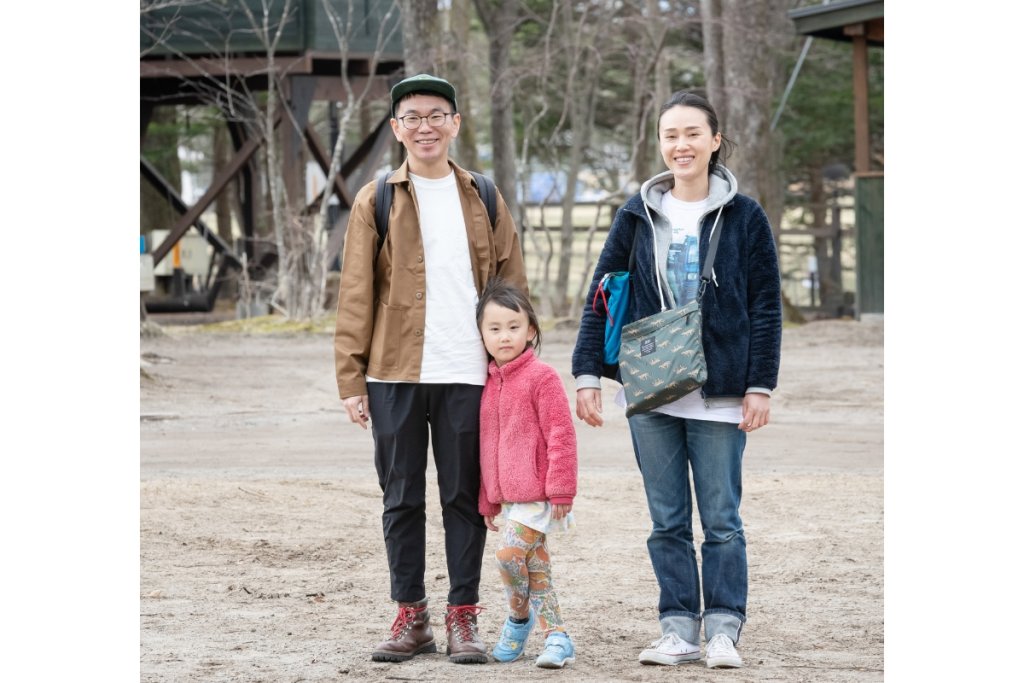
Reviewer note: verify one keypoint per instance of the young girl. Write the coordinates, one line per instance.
(527, 470)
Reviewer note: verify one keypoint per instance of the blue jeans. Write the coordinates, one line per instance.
(666, 449)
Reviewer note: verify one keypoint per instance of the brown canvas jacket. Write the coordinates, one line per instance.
(382, 300)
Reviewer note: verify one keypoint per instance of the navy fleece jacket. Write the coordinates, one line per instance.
(741, 308)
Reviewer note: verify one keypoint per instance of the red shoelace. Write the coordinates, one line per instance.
(459, 621)
(406, 615)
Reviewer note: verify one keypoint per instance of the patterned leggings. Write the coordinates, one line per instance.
(525, 567)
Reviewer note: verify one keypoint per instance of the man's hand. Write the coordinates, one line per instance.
(358, 408)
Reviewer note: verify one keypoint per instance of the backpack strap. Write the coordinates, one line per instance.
(485, 187)
(385, 195)
(382, 205)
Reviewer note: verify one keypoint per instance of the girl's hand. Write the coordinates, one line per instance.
(560, 510)
(588, 406)
(489, 522)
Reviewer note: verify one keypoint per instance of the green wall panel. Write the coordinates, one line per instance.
(870, 217)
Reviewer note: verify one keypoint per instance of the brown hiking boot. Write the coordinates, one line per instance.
(464, 644)
(410, 634)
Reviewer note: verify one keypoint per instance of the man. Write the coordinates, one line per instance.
(410, 361)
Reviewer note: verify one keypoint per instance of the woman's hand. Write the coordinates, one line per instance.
(755, 411)
(560, 510)
(588, 406)
(489, 522)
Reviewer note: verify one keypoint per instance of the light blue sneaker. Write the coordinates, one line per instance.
(513, 640)
(558, 651)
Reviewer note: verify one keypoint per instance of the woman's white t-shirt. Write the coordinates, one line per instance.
(683, 270)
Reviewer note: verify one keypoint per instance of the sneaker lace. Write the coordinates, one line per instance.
(460, 621)
(403, 622)
(720, 645)
(669, 640)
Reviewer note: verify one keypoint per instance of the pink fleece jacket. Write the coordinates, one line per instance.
(527, 438)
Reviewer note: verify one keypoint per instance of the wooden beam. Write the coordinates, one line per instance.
(150, 173)
(219, 183)
(247, 200)
(323, 159)
(235, 67)
(861, 133)
(298, 97)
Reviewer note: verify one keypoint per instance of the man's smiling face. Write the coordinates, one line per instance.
(427, 146)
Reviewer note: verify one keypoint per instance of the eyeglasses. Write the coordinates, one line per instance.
(435, 120)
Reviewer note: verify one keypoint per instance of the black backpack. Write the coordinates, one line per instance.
(386, 194)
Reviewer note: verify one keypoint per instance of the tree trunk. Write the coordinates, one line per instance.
(499, 20)
(460, 63)
(420, 36)
(714, 60)
(830, 288)
(160, 148)
(754, 39)
(223, 204)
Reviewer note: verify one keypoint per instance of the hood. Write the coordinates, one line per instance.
(723, 187)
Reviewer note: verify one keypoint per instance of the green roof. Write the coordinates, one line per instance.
(221, 28)
(829, 20)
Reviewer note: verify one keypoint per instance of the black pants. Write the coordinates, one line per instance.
(400, 415)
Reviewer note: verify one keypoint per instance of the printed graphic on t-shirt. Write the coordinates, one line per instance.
(684, 269)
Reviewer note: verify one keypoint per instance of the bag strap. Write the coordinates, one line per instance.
(632, 253)
(382, 205)
(600, 285)
(707, 271)
(385, 195)
(485, 188)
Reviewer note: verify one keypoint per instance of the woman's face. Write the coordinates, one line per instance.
(687, 142)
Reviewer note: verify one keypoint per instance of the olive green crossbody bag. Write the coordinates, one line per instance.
(662, 356)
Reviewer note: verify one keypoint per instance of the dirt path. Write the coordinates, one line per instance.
(262, 554)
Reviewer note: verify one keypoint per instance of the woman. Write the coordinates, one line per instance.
(705, 431)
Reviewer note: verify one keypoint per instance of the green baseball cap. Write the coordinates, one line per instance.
(423, 83)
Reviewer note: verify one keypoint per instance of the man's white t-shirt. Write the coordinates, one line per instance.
(452, 350)
(683, 270)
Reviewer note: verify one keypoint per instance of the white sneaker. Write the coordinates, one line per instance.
(722, 653)
(670, 650)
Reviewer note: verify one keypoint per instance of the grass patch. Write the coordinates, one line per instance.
(270, 324)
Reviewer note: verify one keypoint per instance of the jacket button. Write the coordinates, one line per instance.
(419, 295)
(419, 259)
(419, 333)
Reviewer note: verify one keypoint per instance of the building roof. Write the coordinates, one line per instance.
(842, 20)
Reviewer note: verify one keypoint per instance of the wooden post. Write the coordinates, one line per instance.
(862, 141)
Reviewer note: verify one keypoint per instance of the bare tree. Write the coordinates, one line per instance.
(298, 288)
(343, 28)
(755, 40)
(500, 21)
(459, 60)
(421, 36)
(714, 58)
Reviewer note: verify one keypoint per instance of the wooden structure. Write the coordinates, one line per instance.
(862, 23)
(214, 53)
